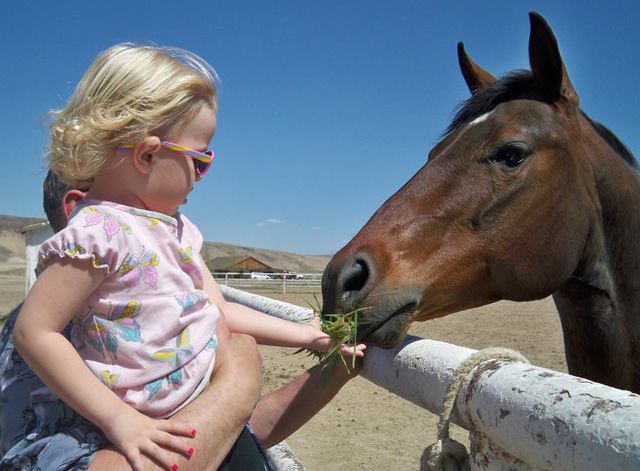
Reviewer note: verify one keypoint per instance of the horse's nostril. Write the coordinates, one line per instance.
(346, 282)
(354, 280)
(357, 276)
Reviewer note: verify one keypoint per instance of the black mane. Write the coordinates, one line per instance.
(518, 84)
(617, 145)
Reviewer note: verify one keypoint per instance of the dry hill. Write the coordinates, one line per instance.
(274, 258)
(16, 223)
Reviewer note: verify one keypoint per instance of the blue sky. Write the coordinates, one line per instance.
(326, 107)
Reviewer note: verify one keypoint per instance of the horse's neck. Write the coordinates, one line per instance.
(600, 305)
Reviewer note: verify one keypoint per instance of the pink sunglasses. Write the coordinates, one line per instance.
(201, 160)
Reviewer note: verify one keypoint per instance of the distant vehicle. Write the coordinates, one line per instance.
(259, 276)
(288, 276)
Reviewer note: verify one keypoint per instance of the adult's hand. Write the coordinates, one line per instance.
(219, 413)
(283, 411)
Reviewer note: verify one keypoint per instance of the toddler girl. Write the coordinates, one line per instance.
(126, 270)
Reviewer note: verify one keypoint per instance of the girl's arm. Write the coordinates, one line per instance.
(266, 329)
(56, 296)
(269, 330)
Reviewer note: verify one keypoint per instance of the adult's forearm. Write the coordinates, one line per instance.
(218, 414)
(283, 411)
(223, 412)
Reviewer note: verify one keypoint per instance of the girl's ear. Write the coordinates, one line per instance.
(144, 152)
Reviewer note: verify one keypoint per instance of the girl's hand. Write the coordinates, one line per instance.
(322, 342)
(134, 434)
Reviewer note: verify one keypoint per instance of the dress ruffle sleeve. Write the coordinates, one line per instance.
(93, 233)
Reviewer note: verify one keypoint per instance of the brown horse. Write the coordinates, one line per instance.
(524, 196)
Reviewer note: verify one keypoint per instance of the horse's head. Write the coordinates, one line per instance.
(499, 211)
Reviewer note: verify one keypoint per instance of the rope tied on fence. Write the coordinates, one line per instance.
(446, 454)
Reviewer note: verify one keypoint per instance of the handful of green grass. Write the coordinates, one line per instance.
(343, 329)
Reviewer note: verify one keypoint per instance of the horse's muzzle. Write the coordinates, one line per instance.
(352, 283)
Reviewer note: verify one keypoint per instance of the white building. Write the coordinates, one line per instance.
(35, 235)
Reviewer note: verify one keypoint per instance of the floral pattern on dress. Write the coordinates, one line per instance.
(141, 268)
(73, 250)
(188, 264)
(109, 379)
(111, 224)
(212, 344)
(178, 355)
(102, 333)
(154, 387)
(190, 301)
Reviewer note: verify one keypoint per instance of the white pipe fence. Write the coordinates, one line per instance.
(285, 282)
(519, 416)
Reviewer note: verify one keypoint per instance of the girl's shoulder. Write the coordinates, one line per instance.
(93, 231)
(100, 221)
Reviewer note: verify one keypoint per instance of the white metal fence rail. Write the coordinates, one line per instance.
(518, 415)
(286, 283)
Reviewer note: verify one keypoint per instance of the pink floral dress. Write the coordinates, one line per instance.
(148, 331)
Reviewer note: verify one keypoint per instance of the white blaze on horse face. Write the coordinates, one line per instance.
(480, 119)
(468, 126)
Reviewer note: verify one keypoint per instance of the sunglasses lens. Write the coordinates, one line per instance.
(201, 167)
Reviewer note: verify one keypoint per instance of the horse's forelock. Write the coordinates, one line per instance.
(507, 88)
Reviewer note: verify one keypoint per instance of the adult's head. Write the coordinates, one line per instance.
(128, 93)
(58, 200)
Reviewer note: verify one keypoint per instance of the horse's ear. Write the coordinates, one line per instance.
(546, 63)
(475, 76)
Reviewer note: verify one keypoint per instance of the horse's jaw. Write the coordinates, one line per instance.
(389, 332)
(386, 316)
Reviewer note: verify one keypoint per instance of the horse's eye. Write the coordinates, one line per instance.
(512, 154)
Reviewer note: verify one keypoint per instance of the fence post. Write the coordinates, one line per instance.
(226, 278)
(284, 283)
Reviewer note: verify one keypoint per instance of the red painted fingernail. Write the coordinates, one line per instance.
(193, 432)
(190, 451)
(174, 467)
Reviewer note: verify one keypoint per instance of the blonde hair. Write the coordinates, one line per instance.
(129, 92)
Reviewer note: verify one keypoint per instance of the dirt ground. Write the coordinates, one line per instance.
(366, 427)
